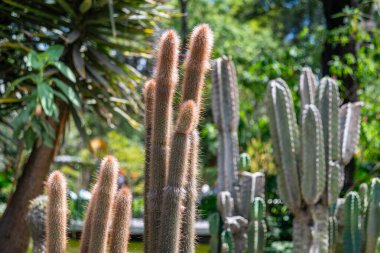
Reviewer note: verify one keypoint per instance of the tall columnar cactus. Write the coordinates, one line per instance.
(36, 218)
(121, 221)
(311, 159)
(174, 152)
(372, 232)
(56, 214)
(351, 232)
(225, 109)
(257, 227)
(215, 230)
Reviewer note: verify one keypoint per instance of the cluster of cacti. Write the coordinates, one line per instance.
(102, 212)
(357, 221)
(237, 191)
(311, 159)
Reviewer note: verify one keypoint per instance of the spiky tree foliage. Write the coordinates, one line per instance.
(311, 159)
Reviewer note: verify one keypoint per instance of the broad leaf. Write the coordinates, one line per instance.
(85, 6)
(68, 91)
(33, 60)
(53, 53)
(66, 71)
(46, 96)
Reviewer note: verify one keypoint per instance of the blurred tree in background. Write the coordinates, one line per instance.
(42, 84)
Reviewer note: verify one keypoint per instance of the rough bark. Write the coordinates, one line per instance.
(350, 84)
(14, 235)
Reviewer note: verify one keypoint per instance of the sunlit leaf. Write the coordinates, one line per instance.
(68, 91)
(46, 97)
(66, 71)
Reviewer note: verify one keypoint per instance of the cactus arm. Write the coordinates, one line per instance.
(327, 101)
(166, 80)
(173, 195)
(351, 234)
(313, 160)
(56, 214)
(225, 204)
(333, 234)
(284, 133)
(308, 85)
(373, 217)
(86, 232)
(105, 193)
(189, 215)
(349, 115)
(226, 116)
(149, 92)
(121, 222)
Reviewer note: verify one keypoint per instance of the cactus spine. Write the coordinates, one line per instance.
(36, 219)
(105, 193)
(257, 227)
(56, 214)
(121, 221)
(316, 168)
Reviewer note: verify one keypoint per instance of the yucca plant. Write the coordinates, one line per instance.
(99, 40)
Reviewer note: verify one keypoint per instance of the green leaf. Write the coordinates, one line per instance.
(85, 6)
(66, 71)
(68, 91)
(46, 96)
(29, 137)
(17, 82)
(54, 53)
(33, 60)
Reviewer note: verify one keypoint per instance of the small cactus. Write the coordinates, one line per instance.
(121, 222)
(257, 227)
(56, 214)
(215, 229)
(36, 219)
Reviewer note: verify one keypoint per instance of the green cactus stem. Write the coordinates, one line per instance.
(227, 242)
(333, 234)
(320, 229)
(166, 79)
(308, 85)
(373, 217)
(215, 230)
(149, 92)
(56, 214)
(225, 204)
(105, 193)
(252, 185)
(36, 219)
(174, 190)
(257, 227)
(351, 234)
(121, 222)
(225, 107)
(284, 134)
(312, 155)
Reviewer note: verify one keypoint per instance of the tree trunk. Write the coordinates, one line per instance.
(14, 232)
(350, 84)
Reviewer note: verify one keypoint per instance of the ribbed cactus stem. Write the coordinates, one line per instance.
(225, 107)
(121, 222)
(56, 214)
(252, 185)
(174, 191)
(285, 141)
(105, 193)
(301, 232)
(149, 93)
(312, 155)
(86, 231)
(373, 217)
(36, 219)
(333, 234)
(320, 230)
(257, 228)
(351, 232)
(197, 63)
(349, 115)
(215, 229)
(225, 204)
(189, 214)
(166, 79)
(308, 85)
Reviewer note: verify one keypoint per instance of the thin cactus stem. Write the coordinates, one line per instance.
(105, 193)
(56, 214)
(373, 217)
(351, 232)
(257, 228)
(36, 219)
(308, 85)
(149, 92)
(174, 190)
(166, 79)
(86, 231)
(189, 215)
(215, 230)
(121, 222)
